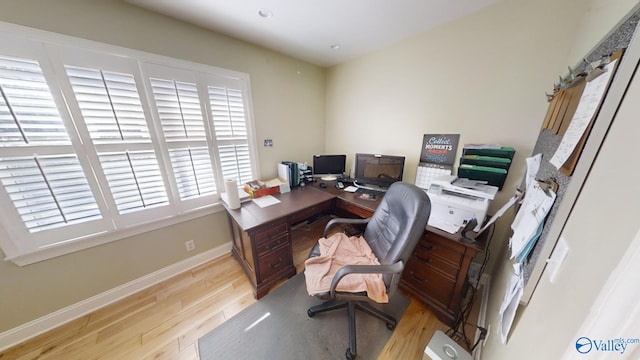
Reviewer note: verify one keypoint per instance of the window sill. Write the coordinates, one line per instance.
(71, 246)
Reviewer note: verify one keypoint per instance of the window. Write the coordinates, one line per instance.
(93, 144)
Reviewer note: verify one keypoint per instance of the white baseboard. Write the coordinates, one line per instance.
(50, 321)
(485, 281)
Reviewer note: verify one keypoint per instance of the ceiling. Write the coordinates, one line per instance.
(322, 32)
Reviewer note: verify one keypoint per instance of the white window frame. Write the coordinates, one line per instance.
(53, 51)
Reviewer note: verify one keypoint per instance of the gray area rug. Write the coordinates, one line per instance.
(277, 327)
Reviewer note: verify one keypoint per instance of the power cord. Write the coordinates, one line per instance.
(458, 331)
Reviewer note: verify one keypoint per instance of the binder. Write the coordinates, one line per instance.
(293, 173)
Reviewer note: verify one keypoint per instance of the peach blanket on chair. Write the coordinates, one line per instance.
(337, 251)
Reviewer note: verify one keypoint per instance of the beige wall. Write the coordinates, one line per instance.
(484, 77)
(599, 18)
(288, 99)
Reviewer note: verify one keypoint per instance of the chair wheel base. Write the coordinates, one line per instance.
(310, 313)
(350, 355)
(391, 326)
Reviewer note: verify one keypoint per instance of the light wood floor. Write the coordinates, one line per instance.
(166, 320)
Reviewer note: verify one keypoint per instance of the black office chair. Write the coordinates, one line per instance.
(392, 233)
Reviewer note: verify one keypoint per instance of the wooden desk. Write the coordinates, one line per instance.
(436, 273)
(262, 236)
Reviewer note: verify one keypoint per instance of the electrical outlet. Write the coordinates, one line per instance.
(190, 245)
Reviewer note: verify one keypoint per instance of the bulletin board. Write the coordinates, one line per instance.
(572, 175)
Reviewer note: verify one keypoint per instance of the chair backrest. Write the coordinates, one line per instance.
(397, 224)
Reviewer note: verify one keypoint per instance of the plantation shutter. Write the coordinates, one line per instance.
(42, 175)
(116, 122)
(96, 145)
(230, 124)
(183, 126)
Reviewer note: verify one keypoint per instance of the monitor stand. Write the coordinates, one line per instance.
(328, 178)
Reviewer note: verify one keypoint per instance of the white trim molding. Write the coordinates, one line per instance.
(485, 281)
(50, 321)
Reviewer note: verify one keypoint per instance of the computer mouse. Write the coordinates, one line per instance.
(323, 185)
(339, 185)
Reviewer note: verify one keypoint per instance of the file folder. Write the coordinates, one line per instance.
(490, 161)
(502, 152)
(493, 176)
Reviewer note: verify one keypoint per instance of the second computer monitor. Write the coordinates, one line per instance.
(329, 167)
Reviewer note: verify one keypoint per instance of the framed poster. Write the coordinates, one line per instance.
(439, 148)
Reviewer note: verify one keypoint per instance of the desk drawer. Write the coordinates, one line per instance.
(439, 258)
(309, 212)
(429, 282)
(447, 250)
(430, 259)
(275, 261)
(270, 233)
(272, 244)
(354, 209)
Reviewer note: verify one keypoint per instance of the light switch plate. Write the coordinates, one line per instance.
(557, 258)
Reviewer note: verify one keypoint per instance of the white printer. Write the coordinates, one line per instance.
(455, 201)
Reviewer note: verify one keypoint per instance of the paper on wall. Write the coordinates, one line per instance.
(535, 207)
(589, 102)
(512, 297)
(533, 164)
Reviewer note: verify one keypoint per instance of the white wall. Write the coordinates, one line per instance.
(288, 99)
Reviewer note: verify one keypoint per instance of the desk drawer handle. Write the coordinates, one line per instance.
(428, 248)
(269, 247)
(276, 265)
(424, 281)
(424, 261)
(271, 234)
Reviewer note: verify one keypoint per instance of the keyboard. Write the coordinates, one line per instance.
(346, 179)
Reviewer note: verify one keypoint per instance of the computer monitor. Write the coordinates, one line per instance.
(378, 170)
(329, 167)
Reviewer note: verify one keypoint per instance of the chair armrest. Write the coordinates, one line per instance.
(395, 268)
(343, 221)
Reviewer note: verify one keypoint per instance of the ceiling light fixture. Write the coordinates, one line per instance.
(335, 46)
(265, 13)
